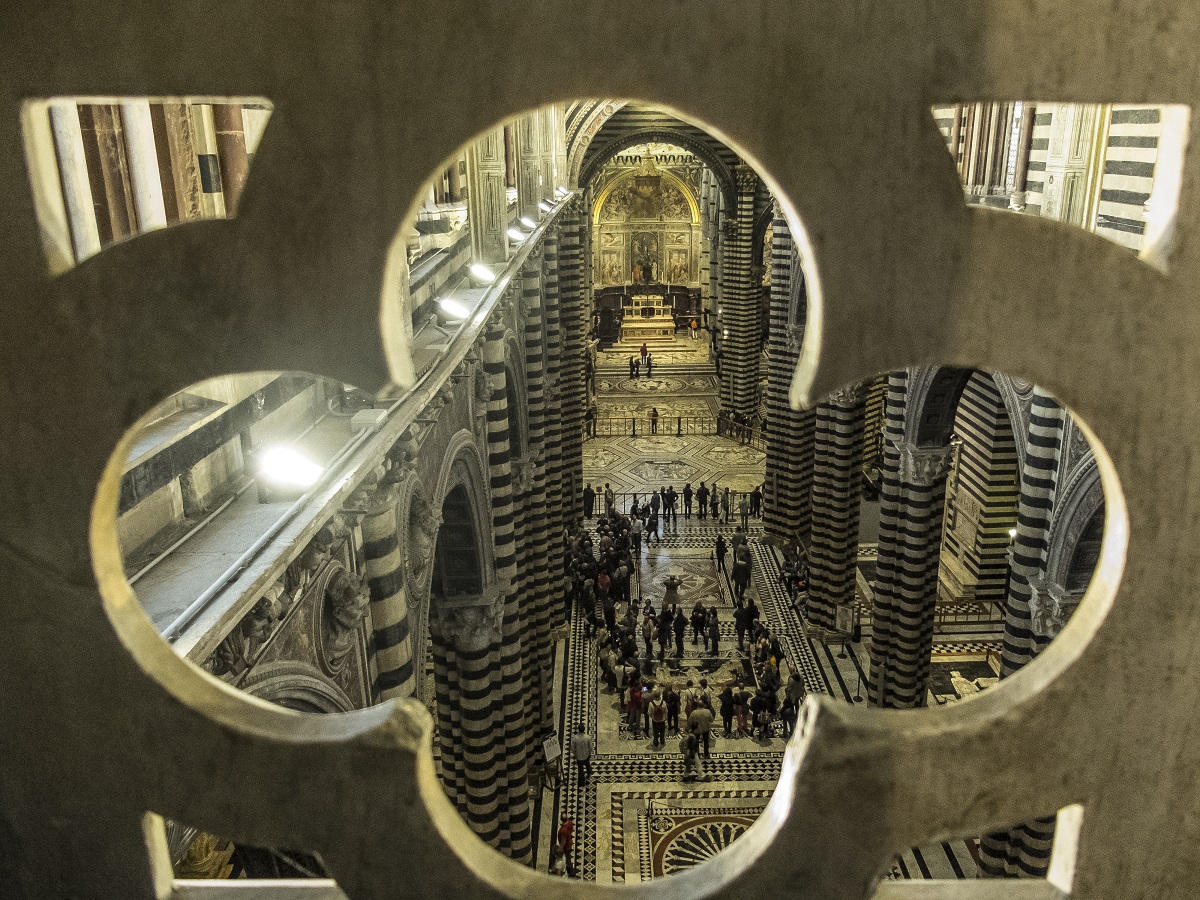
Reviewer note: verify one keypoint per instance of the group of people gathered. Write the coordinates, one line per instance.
(663, 506)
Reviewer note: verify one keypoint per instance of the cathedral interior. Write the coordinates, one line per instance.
(336, 374)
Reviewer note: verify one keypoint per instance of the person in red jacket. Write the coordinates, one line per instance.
(566, 843)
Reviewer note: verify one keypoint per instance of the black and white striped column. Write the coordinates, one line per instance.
(739, 303)
(789, 433)
(391, 641)
(574, 333)
(1024, 851)
(912, 503)
(836, 498)
(514, 835)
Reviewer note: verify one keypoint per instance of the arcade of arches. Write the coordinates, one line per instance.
(636, 324)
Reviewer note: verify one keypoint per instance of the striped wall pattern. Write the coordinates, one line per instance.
(910, 534)
(836, 498)
(1128, 178)
(1025, 849)
(739, 302)
(555, 511)
(574, 331)
(1039, 152)
(985, 478)
(538, 528)
(873, 420)
(509, 725)
(449, 716)
(788, 493)
(391, 639)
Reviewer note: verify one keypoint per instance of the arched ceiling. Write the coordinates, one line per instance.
(597, 130)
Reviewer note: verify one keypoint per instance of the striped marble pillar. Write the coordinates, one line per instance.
(836, 498)
(541, 528)
(467, 637)
(789, 433)
(912, 503)
(514, 835)
(391, 641)
(1024, 851)
(487, 200)
(574, 333)
(553, 465)
(739, 303)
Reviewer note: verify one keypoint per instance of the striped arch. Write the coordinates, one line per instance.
(463, 466)
(1082, 498)
(693, 202)
(583, 122)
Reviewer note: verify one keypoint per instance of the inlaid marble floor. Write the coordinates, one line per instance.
(637, 819)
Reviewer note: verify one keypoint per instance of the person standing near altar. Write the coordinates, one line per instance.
(645, 351)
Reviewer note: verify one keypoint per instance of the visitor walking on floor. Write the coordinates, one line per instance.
(744, 511)
(649, 364)
(566, 843)
(653, 416)
(633, 367)
(658, 720)
(725, 505)
(582, 749)
(679, 625)
(714, 633)
(702, 501)
(722, 549)
(756, 502)
(645, 352)
(693, 767)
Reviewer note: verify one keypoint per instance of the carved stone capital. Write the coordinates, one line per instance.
(472, 623)
(1050, 606)
(850, 395)
(345, 604)
(522, 475)
(747, 179)
(795, 337)
(923, 466)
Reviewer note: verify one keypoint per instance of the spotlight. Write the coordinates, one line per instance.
(285, 473)
(544, 206)
(528, 222)
(453, 309)
(482, 273)
(561, 192)
(726, 333)
(516, 235)
(1012, 533)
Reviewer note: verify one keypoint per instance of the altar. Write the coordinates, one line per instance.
(648, 318)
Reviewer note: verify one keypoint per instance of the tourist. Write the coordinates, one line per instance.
(714, 632)
(689, 746)
(702, 501)
(687, 501)
(633, 366)
(609, 499)
(649, 627)
(649, 364)
(645, 351)
(795, 691)
(589, 501)
(672, 504)
(741, 709)
(725, 506)
(699, 620)
(726, 700)
(694, 327)
(722, 549)
(743, 508)
(671, 698)
(714, 499)
(756, 502)
(741, 623)
(658, 720)
(582, 749)
(699, 723)
(679, 624)
(633, 706)
(787, 715)
(653, 416)
(566, 843)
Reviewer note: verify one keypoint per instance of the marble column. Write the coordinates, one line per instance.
(739, 301)
(178, 161)
(787, 503)
(391, 639)
(108, 171)
(1024, 850)
(143, 165)
(574, 330)
(556, 512)
(76, 185)
(487, 201)
(528, 135)
(912, 504)
(231, 152)
(515, 831)
(836, 499)
(212, 188)
(454, 181)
